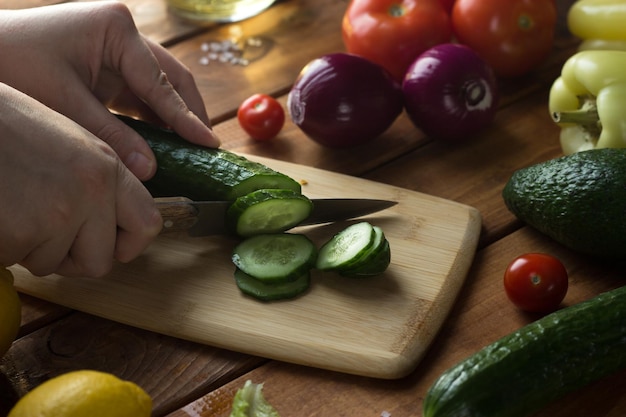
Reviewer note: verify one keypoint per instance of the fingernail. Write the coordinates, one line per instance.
(155, 222)
(140, 165)
(214, 139)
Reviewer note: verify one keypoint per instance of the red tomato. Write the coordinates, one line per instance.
(447, 4)
(261, 116)
(392, 33)
(512, 36)
(536, 282)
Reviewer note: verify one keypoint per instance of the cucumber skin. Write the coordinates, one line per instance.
(263, 291)
(200, 173)
(376, 265)
(529, 368)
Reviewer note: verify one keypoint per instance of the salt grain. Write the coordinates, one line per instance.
(228, 51)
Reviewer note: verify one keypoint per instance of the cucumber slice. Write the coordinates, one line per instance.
(346, 247)
(267, 211)
(374, 266)
(370, 252)
(264, 291)
(374, 262)
(275, 257)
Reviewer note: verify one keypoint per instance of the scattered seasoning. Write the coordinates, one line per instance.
(234, 52)
(227, 51)
(303, 182)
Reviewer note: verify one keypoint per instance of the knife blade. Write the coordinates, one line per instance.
(204, 218)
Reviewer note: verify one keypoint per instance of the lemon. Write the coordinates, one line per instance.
(84, 393)
(10, 311)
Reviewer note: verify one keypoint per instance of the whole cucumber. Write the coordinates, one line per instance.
(199, 173)
(525, 370)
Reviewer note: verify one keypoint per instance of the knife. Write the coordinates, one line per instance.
(204, 218)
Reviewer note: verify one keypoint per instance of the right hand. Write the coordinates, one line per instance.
(68, 204)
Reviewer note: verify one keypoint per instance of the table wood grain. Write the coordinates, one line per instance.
(188, 379)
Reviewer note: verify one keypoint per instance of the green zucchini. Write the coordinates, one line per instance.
(533, 366)
(199, 173)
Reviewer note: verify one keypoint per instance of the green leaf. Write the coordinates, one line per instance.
(249, 402)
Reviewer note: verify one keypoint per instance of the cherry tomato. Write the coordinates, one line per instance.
(392, 33)
(536, 282)
(261, 116)
(512, 36)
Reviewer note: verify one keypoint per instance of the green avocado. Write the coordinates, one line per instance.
(578, 200)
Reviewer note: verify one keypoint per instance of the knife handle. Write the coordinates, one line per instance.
(178, 215)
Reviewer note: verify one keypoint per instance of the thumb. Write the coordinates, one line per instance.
(131, 148)
(128, 144)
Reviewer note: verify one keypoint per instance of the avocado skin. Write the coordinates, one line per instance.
(579, 200)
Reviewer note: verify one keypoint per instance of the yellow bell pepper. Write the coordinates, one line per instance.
(588, 101)
(600, 24)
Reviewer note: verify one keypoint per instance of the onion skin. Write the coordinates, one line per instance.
(450, 93)
(341, 100)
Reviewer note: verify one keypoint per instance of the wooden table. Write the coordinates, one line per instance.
(188, 379)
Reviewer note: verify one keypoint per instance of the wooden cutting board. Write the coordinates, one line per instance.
(378, 326)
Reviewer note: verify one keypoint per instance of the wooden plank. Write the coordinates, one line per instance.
(172, 371)
(151, 17)
(317, 24)
(292, 145)
(472, 173)
(284, 28)
(475, 172)
(482, 315)
(403, 137)
(37, 313)
(154, 21)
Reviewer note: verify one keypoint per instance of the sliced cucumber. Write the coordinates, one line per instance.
(374, 263)
(359, 250)
(346, 247)
(267, 211)
(369, 253)
(264, 291)
(275, 257)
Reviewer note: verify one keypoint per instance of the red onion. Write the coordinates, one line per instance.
(450, 93)
(341, 100)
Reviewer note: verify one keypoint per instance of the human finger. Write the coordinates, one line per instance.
(145, 77)
(181, 79)
(45, 258)
(138, 220)
(87, 110)
(91, 251)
